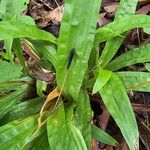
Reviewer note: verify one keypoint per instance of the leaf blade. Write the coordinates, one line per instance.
(119, 26)
(9, 71)
(74, 24)
(101, 80)
(62, 133)
(136, 81)
(113, 44)
(83, 115)
(18, 135)
(102, 136)
(20, 30)
(116, 100)
(137, 55)
(7, 102)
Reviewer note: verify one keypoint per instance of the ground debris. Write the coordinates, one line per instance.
(44, 11)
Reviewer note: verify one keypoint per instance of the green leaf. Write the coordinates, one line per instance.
(136, 81)
(6, 87)
(20, 30)
(11, 9)
(75, 44)
(41, 87)
(102, 136)
(9, 101)
(137, 55)
(23, 109)
(101, 80)
(147, 30)
(126, 8)
(62, 134)
(14, 137)
(147, 66)
(9, 86)
(40, 142)
(8, 45)
(23, 4)
(18, 51)
(83, 116)
(27, 20)
(116, 100)
(47, 49)
(9, 71)
(8, 126)
(119, 26)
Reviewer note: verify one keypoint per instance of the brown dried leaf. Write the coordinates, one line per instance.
(111, 8)
(144, 10)
(103, 20)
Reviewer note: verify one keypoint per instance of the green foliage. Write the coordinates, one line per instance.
(147, 66)
(147, 30)
(9, 71)
(41, 142)
(62, 134)
(116, 100)
(137, 55)
(8, 101)
(47, 49)
(114, 43)
(20, 30)
(66, 123)
(136, 81)
(102, 136)
(11, 89)
(14, 134)
(23, 110)
(73, 25)
(119, 26)
(10, 10)
(18, 51)
(41, 87)
(83, 115)
(101, 80)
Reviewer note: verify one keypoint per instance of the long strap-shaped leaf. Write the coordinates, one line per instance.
(83, 115)
(9, 71)
(119, 26)
(18, 51)
(47, 49)
(15, 135)
(137, 55)
(41, 142)
(136, 81)
(23, 110)
(62, 134)
(102, 136)
(126, 8)
(8, 102)
(77, 34)
(147, 66)
(20, 30)
(116, 100)
(11, 10)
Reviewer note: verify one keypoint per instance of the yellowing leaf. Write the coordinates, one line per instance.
(55, 93)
